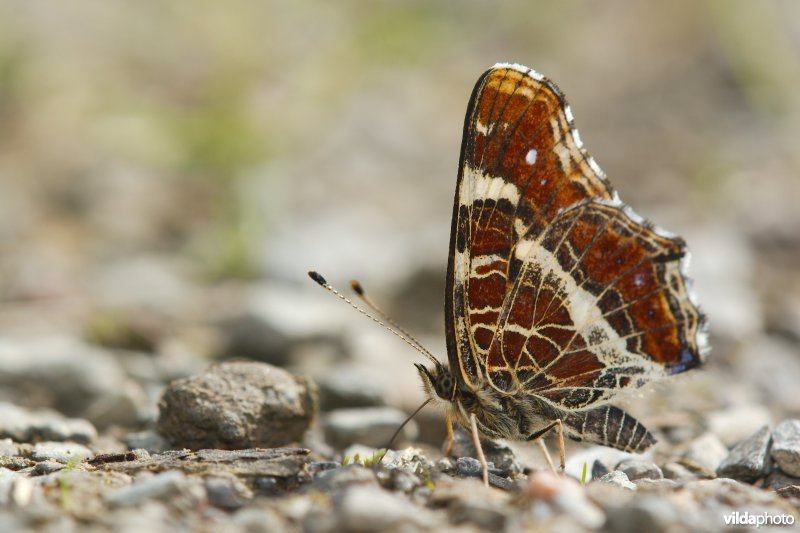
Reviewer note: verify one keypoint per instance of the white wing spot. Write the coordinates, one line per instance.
(530, 157)
(577, 137)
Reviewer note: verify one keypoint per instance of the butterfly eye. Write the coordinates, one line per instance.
(444, 384)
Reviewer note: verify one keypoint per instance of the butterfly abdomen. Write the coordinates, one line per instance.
(609, 426)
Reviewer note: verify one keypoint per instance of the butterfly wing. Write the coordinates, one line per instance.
(554, 287)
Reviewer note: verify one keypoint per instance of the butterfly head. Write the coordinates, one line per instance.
(438, 381)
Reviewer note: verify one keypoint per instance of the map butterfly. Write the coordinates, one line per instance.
(558, 294)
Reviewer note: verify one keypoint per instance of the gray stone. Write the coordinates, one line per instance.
(737, 423)
(498, 453)
(468, 467)
(403, 481)
(250, 336)
(705, 453)
(8, 448)
(678, 472)
(159, 486)
(348, 386)
(640, 469)
(63, 452)
(371, 426)
(79, 379)
(332, 480)
(786, 446)
(23, 425)
(655, 484)
(409, 459)
(363, 508)
(617, 478)
(237, 405)
(7, 480)
(564, 495)
(259, 519)
(149, 440)
(777, 480)
(227, 492)
(748, 460)
(790, 492)
(648, 513)
(599, 469)
(48, 467)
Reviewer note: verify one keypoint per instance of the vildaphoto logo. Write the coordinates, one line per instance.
(747, 518)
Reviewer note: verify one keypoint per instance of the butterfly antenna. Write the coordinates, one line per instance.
(317, 277)
(359, 290)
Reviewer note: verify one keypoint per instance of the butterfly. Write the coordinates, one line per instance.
(558, 295)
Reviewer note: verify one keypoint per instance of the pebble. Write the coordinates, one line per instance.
(332, 480)
(567, 496)
(259, 519)
(790, 492)
(239, 404)
(777, 480)
(349, 386)
(749, 459)
(149, 440)
(370, 426)
(786, 446)
(640, 469)
(7, 479)
(655, 484)
(8, 448)
(62, 452)
(77, 378)
(599, 469)
(617, 478)
(649, 513)
(48, 467)
(23, 425)
(705, 452)
(467, 500)
(363, 508)
(250, 336)
(163, 485)
(468, 467)
(403, 481)
(498, 453)
(677, 472)
(227, 492)
(735, 424)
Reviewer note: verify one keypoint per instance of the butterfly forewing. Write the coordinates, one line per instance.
(555, 288)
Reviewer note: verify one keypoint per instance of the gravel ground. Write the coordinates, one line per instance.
(168, 177)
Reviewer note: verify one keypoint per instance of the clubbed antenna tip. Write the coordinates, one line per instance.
(316, 276)
(356, 286)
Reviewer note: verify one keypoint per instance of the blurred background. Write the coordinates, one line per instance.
(169, 171)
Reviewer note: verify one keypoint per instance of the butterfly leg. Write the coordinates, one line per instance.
(450, 437)
(546, 455)
(561, 452)
(476, 440)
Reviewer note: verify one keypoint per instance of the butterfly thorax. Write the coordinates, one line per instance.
(498, 414)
